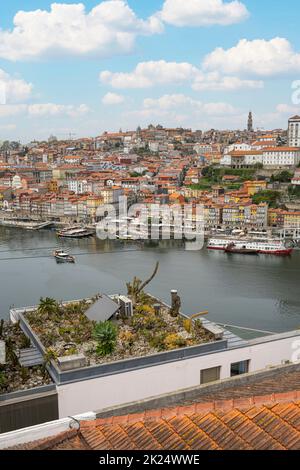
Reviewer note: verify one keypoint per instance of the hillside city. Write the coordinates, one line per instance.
(244, 179)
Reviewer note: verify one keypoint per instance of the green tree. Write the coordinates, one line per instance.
(270, 197)
(283, 177)
(105, 333)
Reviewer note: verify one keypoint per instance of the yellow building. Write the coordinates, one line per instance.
(93, 202)
(253, 187)
(53, 186)
(291, 219)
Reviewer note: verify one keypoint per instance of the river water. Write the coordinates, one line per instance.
(257, 292)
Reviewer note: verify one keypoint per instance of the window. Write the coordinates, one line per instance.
(210, 375)
(239, 368)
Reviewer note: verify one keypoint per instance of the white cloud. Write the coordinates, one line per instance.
(8, 127)
(51, 109)
(43, 110)
(112, 99)
(257, 58)
(153, 73)
(183, 110)
(216, 82)
(109, 28)
(179, 101)
(15, 90)
(148, 74)
(203, 12)
(287, 109)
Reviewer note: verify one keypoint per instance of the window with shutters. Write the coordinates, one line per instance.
(210, 375)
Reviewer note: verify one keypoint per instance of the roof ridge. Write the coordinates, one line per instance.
(48, 442)
(198, 408)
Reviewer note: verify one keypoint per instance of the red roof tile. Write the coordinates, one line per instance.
(263, 423)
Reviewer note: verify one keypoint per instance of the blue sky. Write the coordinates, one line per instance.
(197, 63)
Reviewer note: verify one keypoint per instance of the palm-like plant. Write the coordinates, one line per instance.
(47, 306)
(105, 333)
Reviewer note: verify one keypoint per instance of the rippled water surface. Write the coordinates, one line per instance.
(257, 292)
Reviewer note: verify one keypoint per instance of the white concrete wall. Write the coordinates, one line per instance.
(99, 393)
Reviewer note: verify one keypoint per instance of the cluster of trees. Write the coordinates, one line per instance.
(216, 174)
(270, 197)
(283, 177)
(7, 145)
(294, 192)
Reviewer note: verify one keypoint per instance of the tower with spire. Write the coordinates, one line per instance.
(250, 122)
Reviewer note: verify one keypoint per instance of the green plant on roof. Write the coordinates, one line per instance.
(47, 306)
(174, 341)
(105, 333)
(49, 356)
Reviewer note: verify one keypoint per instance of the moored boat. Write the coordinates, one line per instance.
(266, 247)
(75, 232)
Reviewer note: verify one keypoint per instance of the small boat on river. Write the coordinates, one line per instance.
(63, 257)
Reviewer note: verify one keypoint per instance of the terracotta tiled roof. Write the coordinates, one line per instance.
(262, 423)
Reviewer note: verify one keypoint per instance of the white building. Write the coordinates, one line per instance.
(294, 131)
(244, 158)
(281, 156)
(16, 182)
(226, 160)
(78, 186)
(238, 146)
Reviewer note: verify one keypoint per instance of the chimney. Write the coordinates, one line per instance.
(174, 293)
(156, 308)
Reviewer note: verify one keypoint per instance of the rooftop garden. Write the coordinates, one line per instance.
(12, 375)
(65, 330)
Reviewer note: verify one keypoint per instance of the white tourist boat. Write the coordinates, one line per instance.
(268, 247)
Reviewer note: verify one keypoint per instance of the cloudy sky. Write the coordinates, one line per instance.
(92, 66)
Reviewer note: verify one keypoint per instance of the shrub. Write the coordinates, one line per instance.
(50, 355)
(144, 309)
(71, 351)
(174, 341)
(105, 333)
(158, 341)
(25, 342)
(48, 306)
(127, 339)
(24, 372)
(148, 322)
